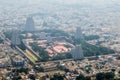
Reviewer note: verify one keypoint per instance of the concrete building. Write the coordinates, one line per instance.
(15, 38)
(77, 52)
(18, 61)
(29, 26)
(4, 60)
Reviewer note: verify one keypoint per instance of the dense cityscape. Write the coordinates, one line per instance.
(59, 40)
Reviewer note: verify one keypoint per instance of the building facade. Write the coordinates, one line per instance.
(29, 26)
(15, 38)
(77, 52)
(78, 33)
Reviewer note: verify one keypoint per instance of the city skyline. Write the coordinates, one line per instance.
(59, 40)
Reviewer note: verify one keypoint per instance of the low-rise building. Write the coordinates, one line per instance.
(18, 61)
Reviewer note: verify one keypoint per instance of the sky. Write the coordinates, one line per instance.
(98, 2)
(93, 7)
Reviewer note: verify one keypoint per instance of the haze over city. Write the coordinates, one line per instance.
(59, 39)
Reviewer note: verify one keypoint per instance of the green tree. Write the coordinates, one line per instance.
(88, 78)
(43, 54)
(91, 37)
(100, 76)
(80, 77)
(109, 76)
(113, 70)
(57, 77)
